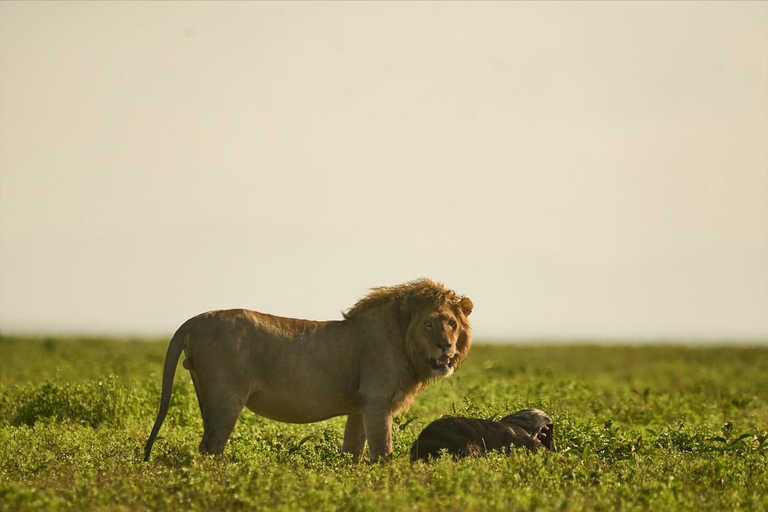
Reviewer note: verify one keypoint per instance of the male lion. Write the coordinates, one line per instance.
(368, 366)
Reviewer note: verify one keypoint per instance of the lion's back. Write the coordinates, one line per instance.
(225, 324)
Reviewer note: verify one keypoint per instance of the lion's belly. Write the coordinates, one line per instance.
(306, 409)
(299, 383)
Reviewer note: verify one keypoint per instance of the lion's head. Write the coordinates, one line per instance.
(433, 323)
(437, 332)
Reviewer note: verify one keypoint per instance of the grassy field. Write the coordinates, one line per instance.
(639, 428)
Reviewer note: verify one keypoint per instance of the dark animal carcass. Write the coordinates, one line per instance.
(462, 437)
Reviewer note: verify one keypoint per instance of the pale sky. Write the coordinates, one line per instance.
(578, 169)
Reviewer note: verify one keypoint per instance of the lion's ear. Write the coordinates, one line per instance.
(466, 305)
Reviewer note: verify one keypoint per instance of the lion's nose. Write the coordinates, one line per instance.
(443, 345)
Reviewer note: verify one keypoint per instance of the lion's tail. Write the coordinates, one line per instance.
(175, 349)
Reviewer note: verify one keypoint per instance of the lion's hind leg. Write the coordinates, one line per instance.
(198, 393)
(219, 418)
(221, 403)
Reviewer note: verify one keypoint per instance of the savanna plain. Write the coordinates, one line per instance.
(637, 428)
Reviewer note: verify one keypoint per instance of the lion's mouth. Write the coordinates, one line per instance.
(444, 363)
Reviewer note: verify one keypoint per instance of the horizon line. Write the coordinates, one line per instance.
(481, 339)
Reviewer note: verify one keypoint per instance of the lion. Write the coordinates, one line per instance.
(368, 366)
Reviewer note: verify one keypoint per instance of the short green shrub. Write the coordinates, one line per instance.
(89, 403)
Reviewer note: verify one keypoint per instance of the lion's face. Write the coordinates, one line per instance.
(440, 337)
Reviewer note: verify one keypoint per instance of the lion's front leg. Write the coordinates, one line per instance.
(378, 431)
(354, 437)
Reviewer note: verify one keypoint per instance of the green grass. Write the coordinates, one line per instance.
(638, 428)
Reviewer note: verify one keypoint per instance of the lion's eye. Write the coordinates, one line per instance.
(452, 323)
(428, 324)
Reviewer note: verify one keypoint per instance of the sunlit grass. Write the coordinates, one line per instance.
(638, 428)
